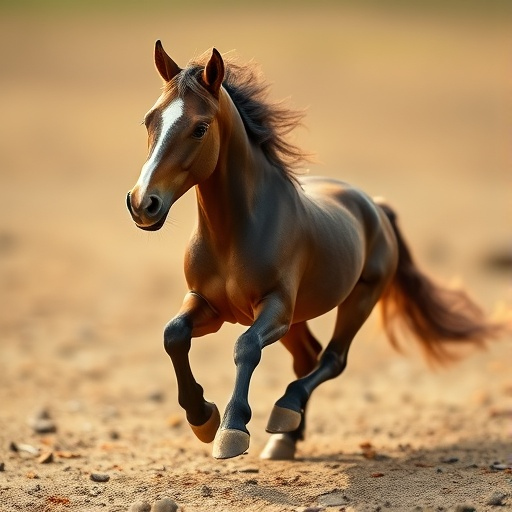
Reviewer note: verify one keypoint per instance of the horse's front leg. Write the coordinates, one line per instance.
(272, 321)
(195, 318)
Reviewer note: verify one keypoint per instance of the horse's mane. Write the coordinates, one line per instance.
(267, 122)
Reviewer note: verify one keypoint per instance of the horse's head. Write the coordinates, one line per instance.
(183, 138)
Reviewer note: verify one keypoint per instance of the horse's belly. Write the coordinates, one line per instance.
(323, 291)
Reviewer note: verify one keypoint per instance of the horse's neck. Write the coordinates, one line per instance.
(226, 200)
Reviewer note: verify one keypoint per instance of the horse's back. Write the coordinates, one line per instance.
(347, 206)
(344, 195)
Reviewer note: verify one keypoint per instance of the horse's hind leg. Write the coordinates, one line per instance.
(304, 349)
(288, 411)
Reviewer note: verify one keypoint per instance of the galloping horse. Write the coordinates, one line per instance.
(272, 250)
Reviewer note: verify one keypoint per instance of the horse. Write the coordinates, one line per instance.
(273, 249)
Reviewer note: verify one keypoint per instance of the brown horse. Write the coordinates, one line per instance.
(272, 250)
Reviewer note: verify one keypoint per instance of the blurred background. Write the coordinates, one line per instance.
(413, 104)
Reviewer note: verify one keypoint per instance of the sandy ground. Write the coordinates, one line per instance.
(415, 108)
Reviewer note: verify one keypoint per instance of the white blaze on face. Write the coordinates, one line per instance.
(169, 117)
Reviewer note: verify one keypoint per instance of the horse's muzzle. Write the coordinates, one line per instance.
(152, 208)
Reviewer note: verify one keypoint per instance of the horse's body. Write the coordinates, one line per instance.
(271, 251)
(314, 242)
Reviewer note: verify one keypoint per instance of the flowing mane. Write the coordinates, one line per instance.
(267, 122)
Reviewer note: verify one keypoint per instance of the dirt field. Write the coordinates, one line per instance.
(413, 107)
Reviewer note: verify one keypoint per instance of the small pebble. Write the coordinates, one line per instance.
(140, 506)
(450, 460)
(464, 508)
(42, 422)
(175, 420)
(42, 414)
(500, 466)
(164, 505)
(2, 466)
(249, 470)
(43, 426)
(23, 447)
(496, 499)
(33, 489)
(206, 492)
(100, 477)
(156, 396)
(334, 498)
(45, 458)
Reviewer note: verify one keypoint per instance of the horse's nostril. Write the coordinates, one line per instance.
(155, 203)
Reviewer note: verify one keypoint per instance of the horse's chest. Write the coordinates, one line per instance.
(232, 298)
(232, 284)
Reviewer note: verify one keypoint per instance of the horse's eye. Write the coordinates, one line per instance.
(200, 131)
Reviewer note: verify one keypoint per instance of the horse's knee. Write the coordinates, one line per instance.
(177, 335)
(334, 363)
(247, 350)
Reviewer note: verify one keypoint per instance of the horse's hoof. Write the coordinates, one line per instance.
(230, 443)
(279, 447)
(206, 432)
(283, 420)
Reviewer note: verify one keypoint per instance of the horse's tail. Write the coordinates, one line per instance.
(435, 314)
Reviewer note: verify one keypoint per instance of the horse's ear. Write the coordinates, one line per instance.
(167, 68)
(213, 73)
